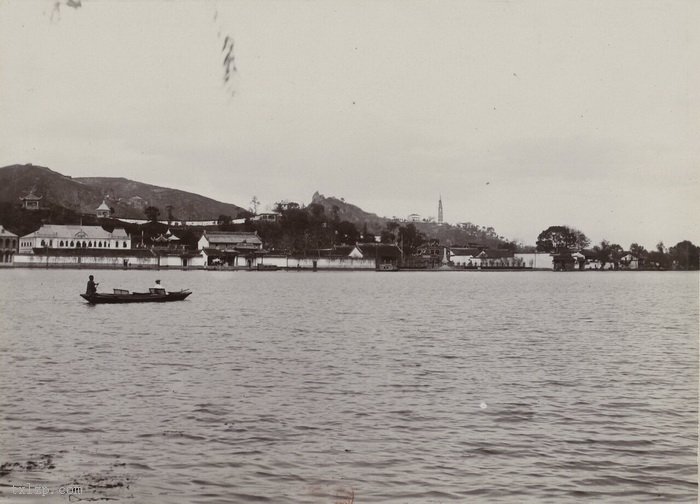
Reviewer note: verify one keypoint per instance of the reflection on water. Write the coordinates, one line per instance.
(395, 387)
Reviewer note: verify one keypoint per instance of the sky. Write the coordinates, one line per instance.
(519, 114)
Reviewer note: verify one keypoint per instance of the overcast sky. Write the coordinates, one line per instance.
(521, 114)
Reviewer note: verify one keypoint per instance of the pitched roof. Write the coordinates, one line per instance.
(498, 253)
(90, 232)
(233, 237)
(5, 232)
(103, 206)
(465, 251)
(338, 251)
(369, 250)
(31, 196)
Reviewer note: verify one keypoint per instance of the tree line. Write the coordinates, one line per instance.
(562, 239)
(301, 230)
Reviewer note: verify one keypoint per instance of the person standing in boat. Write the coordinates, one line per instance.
(91, 286)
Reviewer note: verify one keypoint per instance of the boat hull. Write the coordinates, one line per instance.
(135, 297)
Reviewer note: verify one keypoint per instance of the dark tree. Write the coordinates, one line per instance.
(317, 211)
(609, 253)
(152, 213)
(638, 251)
(171, 217)
(347, 233)
(616, 253)
(685, 255)
(410, 238)
(509, 245)
(561, 238)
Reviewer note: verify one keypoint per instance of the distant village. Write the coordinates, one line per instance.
(302, 238)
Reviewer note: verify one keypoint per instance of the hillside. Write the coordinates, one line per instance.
(54, 188)
(445, 233)
(67, 199)
(128, 198)
(351, 213)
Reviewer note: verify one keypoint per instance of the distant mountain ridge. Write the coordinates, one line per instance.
(127, 197)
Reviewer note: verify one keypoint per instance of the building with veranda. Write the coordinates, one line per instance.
(50, 236)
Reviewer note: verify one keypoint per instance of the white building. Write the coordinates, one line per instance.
(179, 223)
(232, 248)
(51, 236)
(230, 240)
(266, 217)
(8, 245)
(103, 210)
(537, 260)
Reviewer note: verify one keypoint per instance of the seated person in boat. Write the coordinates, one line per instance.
(91, 286)
(158, 288)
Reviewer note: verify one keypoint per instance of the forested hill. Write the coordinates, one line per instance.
(447, 234)
(348, 212)
(54, 188)
(65, 200)
(128, 198)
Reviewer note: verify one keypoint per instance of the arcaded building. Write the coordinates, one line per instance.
(50, 236)
(8, 246)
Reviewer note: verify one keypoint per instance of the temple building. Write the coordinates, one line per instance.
(103, 211)
(51, 236)
(231, 248)
(30, 201)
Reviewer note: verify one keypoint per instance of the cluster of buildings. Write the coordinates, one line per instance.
(92, 246)
(95, 247)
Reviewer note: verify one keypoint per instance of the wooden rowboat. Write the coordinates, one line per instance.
(124, 296)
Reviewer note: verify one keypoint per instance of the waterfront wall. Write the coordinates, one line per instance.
(337, 263)
(84, 261)
(178, 262)
(537, 260)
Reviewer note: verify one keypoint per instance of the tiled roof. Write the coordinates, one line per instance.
(233, 237)
(498, 253)
(369, 250)
(465, 251)
(31, 196)
(91, 232)
(5, 232)
(339, 251)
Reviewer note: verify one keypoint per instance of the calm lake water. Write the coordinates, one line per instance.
(311, 387)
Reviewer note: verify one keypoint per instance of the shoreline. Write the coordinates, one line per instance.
(294, 269)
